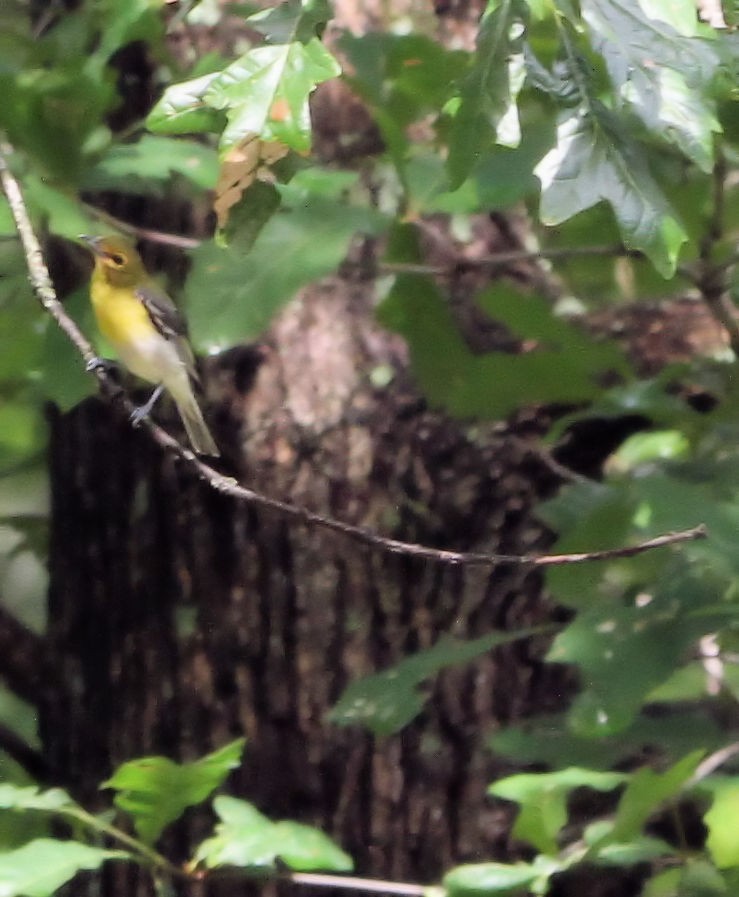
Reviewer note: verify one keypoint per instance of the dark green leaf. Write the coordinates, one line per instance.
(246, 838)
(721, 819)
(155, 791)
(487, 110)
(562, 367)
(232, 296)
(152, 158)
(387, 701)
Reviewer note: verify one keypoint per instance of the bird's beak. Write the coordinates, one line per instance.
(93, 243)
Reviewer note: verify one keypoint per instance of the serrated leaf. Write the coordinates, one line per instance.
(181, 109)
(661, 73)
(155, 791)
(265, 93)
(594, 162)
(489, 878)
(246, 838)
(42, 866)
(387, 701)
(543, 800)
(293, 20)
(487, 110)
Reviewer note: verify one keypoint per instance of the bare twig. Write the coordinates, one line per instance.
(713, 761)
(367, 885)
(144, 233)
(228, 486)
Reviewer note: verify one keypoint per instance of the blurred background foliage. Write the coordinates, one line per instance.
(609, 131)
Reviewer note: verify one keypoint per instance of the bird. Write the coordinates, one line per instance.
(147, 331)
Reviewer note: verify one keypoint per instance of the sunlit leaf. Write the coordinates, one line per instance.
(489, 878)
(594, 162)
(244, 837)
(155, 791)
(41, 867)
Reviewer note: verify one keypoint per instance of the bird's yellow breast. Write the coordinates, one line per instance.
(120, 314)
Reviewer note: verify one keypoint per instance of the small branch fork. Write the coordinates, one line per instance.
(46, 294)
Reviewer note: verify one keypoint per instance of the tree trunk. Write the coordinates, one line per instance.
(180, 619)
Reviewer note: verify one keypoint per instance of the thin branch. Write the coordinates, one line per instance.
(228, 486)
(144, 233)
(367, 885)
(713, 761)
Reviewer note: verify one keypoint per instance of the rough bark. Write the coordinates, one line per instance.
(180, 619)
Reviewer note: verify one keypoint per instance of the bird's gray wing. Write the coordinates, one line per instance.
(168, 320)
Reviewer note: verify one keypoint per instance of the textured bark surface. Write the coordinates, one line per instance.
(180, 619)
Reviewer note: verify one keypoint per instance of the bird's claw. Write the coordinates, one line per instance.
(139, 414)
(97, 365)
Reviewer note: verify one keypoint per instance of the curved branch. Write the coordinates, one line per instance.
(227, 485)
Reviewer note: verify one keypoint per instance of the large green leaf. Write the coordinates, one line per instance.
(487, 111)
(131, 167)
(478, 879)
(244, 837)
(595, 160)
(13, 797)
(722, 842)
(387, 701)
(42, 866)
(155, 791)
(232, 295)
(265, 93)
(543, 800)
(292, 20)
(660, 71)
(563, 366)
(182, 109)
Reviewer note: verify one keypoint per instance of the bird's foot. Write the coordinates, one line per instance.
(143, 411)
(99, 365)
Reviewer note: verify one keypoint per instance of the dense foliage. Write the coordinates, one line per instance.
(614, 125)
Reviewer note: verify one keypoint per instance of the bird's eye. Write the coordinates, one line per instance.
(118, 260)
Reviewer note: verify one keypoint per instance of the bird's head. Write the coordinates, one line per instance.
(116, 260)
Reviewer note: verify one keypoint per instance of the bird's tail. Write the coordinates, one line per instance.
(197, 430)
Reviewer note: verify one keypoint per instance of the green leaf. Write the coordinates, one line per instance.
(593, 161)
(660, 72)
(64, 380)
(265, 92)
(722, 842)
(487, 109)
(646, 792)
(641, 849)
(293, 20)
(182, 110)
(387, 701)
(42, 866)
(543, 800)
(232, 295)
(13, 797)
(489, 878)
(124, 166)
(562, 366)
(246, 838)
(155, 791)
